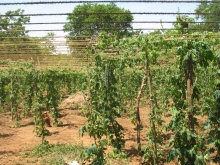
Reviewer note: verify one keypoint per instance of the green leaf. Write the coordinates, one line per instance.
(173, 153)
(81, 131)
(91, 149)
(98, 163)
(199, 160)
(217, 94)
(207, 124)
(207, 157)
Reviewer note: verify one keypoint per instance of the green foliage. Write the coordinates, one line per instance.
(14, 89)
(212, 18)
(29, 91)
(183, 149)
(131, 61)
(200, 51)
(13, 25)
(182, 23)
(41, 150)
(56, 153)
(60, 154)
(53, 93)
(122, 155)
(113, 84)
(211, 108)
(82, 23)
(73, 81)
(4, 80)
(103, 109)
(16, 39)
(188, 145)
(95, 152)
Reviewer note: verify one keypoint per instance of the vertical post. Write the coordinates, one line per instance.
(189, 83)
(138, 119)
(218, 110)
(152, 107)
(189, 79)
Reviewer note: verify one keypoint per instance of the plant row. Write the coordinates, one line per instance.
(186, 87)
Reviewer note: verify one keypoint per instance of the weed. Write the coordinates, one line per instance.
(56, 154)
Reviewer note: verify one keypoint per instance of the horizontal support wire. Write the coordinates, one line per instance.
(52, 30)
(86, 42)
(45, 42)
(43, 55)
(23, 52)
(22, 49)
(123, 13)
(108, 1)
(115, 22)
(95, 36)
(79, 45)
(83, 36)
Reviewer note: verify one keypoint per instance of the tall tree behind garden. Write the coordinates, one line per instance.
(14, 38)
(81, 22)
(212, 19)
(13, 30)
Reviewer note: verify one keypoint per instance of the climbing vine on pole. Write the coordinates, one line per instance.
(187, 142)
(103, 110)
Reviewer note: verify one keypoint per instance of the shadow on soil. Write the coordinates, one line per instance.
(6, 135)
(6, 152)
(27, 124)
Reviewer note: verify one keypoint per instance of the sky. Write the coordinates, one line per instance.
(68, 8)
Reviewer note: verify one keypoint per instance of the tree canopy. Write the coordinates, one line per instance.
(12, 26)
(14, 38)
(12, 23)
(82, 22)
(13, 30)
(91, 19)
(212, 19)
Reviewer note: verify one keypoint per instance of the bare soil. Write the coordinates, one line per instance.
(15, 141)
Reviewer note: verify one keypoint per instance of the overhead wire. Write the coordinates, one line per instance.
(60, 44)
(79, 45)
(106, 29)
(115, 22)
(94, 36)
(109, 1)
(122, 13)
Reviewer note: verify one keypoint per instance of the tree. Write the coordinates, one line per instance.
(104, 18)
(12, 23)
(82, 22)
(14, 38)
(12, 29)
(212, 19)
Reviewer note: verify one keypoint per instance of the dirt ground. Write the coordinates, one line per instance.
(14, 141)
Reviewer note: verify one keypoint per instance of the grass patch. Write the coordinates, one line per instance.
(117, 158)
(60, 154)
(56, 154)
